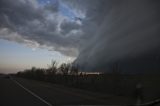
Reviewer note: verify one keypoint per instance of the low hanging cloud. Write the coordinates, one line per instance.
(97, 32)
(124, 31)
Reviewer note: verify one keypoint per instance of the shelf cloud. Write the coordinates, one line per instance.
(96, 32)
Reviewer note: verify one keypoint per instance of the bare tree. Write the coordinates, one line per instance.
(64, 68)
(52, 70)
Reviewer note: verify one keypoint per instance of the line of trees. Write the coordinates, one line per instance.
(69, 74)
(65, 73)
(110, 83)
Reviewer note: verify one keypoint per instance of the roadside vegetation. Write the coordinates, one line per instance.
(114, 83)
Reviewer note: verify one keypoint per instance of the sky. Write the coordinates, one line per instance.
(19, 55)
(15, 57)
(91, 33)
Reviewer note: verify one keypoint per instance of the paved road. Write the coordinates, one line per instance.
(22, 92)
(13, 95)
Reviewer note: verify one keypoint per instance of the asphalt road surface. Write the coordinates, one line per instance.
(23, 92)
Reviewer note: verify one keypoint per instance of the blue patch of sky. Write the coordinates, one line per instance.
(63, 8)
(45, 2)
(66, 11)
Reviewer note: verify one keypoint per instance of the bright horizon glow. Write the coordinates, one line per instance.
(16, 57)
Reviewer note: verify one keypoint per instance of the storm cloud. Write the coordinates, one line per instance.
(41, 23)
(97, 32)
(127, 33)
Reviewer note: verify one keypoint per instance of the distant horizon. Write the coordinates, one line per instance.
(95, 34)
(16, 57)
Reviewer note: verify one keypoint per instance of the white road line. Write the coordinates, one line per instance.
(151, 102)
(44, 101)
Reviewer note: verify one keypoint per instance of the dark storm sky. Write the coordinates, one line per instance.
(95, 32)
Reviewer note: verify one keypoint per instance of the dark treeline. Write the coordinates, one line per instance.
(110, 83)
(69, 75)
(66, 73)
